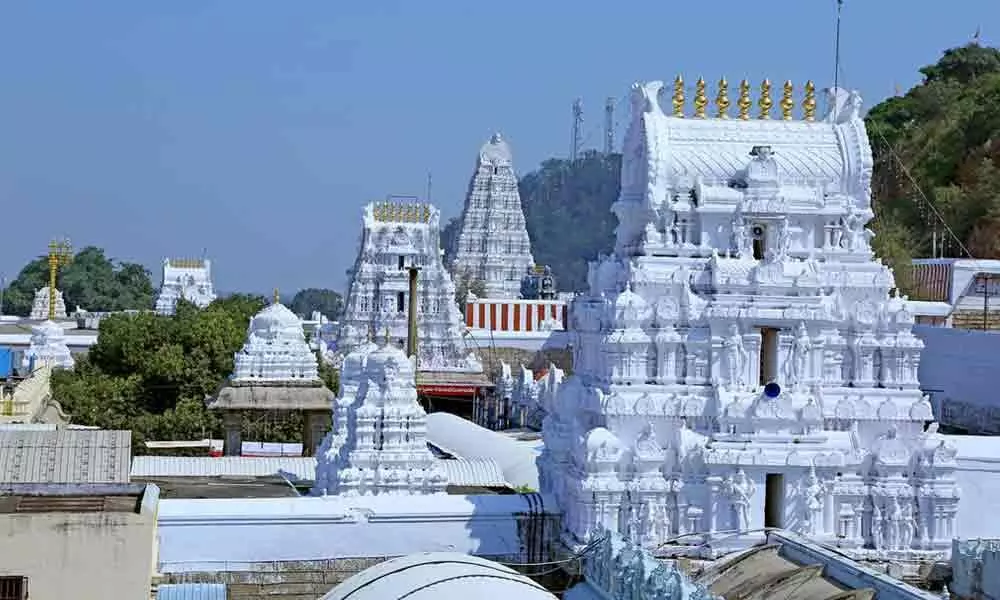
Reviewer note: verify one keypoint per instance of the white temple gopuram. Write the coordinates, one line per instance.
(47, 347)
(378, 443)
(493, 245)
(742, 360)
(190, 279)
(40, 305)
(274, 371)
(396, 236)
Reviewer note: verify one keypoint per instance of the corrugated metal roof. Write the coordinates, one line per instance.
(296, 468)
(65, 456)
(191, 591)
(474, 472)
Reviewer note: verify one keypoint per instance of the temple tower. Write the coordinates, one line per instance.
(378, 443)
(743, 360)
(274, 371)
(493, 245)
(40, 305)
(396, 236)
(47, 347)
(190, 279)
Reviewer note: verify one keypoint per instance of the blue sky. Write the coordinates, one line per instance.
(257, 129)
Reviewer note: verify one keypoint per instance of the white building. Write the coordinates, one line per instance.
(493, 245)
(964, 292)
(190, 279)
(40, 305)
(47, 347)
(741, 360)
(397, 236)
(275, 349)
(378, 443)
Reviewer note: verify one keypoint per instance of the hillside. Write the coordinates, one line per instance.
(937, 158)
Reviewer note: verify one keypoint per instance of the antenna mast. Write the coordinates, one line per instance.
(577, 129)
(836, 48)
(609, 125)
(430, 184)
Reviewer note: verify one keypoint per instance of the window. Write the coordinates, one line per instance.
(402, 261)
(400, 302)
(13, 587)
(768, 355)
(759, 233)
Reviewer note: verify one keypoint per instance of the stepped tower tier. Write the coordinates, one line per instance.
(378, 442)
(741, 359)
(48, 347)
(40, 305)
(396, 236)
(493, 245)
(190, 279)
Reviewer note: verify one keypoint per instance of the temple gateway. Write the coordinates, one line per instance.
(742, 362)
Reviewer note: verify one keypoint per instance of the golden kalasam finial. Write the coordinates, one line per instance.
(744, 103)
(678, 98)
(722, 99)
(277, 296)
(427, 213)
(377, 211)
(700, 99)
(787, 102)
(764, 102)
(809, 102)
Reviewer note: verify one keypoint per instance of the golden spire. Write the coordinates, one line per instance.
(277, 297)
(765, 103)
(678, 98)
(744, 103)
(722, 99)
(427, 213)
(809, 102)
(787, 102)
(700, 99)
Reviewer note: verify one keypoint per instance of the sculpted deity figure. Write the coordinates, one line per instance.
(854, 228)
(741, 238)
(895, 517)
(876, 526)
(798, 361)
(736, 357)
(907, 526)
(812, 495)
(740, 490)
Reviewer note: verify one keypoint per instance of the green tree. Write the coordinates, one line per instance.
(328, 302)
(151, 373)
(465, 283)
(91, 280)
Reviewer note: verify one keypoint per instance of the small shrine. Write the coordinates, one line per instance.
(40, 305)
(274, 371)
(187, 278)
(47, 348)
(378, 443)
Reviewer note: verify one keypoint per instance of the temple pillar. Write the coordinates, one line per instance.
(232, 422)
(314, 427)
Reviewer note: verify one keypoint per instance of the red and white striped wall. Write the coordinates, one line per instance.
(513, 315)
(932, 280)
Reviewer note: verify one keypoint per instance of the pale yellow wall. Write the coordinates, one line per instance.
(79, 555)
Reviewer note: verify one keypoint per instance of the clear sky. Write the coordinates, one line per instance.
(257, 129)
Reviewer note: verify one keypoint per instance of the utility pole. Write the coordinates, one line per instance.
(986, 301)
(609, 126)
(577, 129)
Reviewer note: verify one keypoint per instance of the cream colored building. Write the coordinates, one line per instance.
(77, 541)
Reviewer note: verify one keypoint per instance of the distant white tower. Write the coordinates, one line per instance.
(190, 279)
(493, 245)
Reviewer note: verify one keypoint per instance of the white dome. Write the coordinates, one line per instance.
(438, 576)
(388, 359)
(276, 320)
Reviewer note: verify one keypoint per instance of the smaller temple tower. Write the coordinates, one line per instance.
(378, 444)
(47, 348)
(274, 371)
(493, 245)
(40, 305)
(397, 236)
(190, 279)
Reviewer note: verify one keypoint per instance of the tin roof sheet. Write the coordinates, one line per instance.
(65, 456)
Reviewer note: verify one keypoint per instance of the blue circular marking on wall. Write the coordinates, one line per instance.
(772, 390)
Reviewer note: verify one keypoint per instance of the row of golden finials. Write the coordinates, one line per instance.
(744, 103)
(402, 213)
(187, 263)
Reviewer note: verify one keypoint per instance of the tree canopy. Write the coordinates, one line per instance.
(937, 158)
(328, 302)
(91, 280)
(151, 373)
